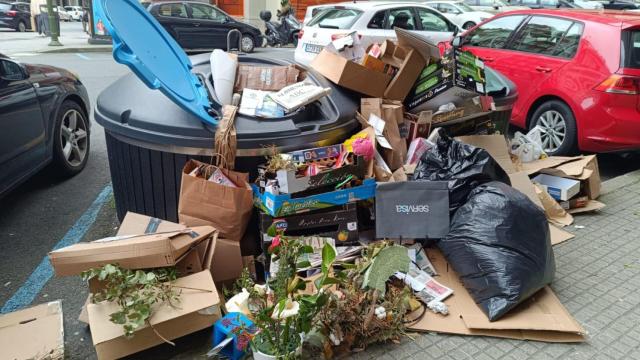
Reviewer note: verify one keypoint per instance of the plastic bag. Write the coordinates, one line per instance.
(463, 166)
(499, 244)
(528, 147)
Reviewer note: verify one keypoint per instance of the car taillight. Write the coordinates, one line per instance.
(12, 13)
(300, 34)
(620, 84)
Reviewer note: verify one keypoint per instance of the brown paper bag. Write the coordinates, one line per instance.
(204, 202)
(392, 112)
(226, 142)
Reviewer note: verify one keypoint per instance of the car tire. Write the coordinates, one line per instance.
(468, 25)
(559, 126)
(247, 43)
(22, 27)
(71, 140)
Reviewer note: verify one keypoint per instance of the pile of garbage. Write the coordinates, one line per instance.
(400, 227)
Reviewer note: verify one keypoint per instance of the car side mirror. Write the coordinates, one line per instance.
(457, 41)
(23, 74)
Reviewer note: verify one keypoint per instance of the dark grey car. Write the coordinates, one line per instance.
(15, 15)
(44, 118)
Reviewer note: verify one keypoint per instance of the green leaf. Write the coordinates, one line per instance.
(151, 276)
(303, 264)
(328, 256)
(307, 249)
(331, 281)
(386, 263)
(118, 318)
(271, 231)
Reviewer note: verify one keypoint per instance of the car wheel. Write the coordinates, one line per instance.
(247, 43)
(559, 133)
(468, 25)
(71, 139)
(22, 27)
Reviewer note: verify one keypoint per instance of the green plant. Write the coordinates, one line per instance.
(135, 292)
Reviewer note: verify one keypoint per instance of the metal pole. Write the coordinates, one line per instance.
(53, 25)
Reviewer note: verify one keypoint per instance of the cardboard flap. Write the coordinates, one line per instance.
(33, 333)
(558, 235)
(191, 300)
(520, 181)
(576, 168)
(592, 205)
(134, 224)
(542, 311)
(496, 145)
(546, 163)
(517, 324)
(419, 43)
(554, 212)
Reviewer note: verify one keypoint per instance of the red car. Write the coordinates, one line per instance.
(577, 72)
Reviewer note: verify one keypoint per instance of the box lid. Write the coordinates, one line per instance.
(134, 224)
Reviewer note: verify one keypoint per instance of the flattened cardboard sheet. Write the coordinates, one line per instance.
(540, 318)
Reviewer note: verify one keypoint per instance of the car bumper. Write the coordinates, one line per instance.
(302, 57)
(611, 122)
(8, 23)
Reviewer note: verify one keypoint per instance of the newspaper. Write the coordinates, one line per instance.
(299, 94)
(420, 259)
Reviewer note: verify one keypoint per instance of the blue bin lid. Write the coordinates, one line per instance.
(141, 43)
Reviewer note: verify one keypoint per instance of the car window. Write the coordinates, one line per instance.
(23, 7)
(432, 21)
(486, 3)
(464, 7)
(402, 18)
(173, 10)
(495, 33)
(377, 21)
(549, 3)
(5, 7)
(447, 9)
(528, 2)
(630, 51)
(336, 18)
(541, 35)
(568, 46)
(10, 70)
(206, 12)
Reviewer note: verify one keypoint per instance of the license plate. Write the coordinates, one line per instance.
(312, 48)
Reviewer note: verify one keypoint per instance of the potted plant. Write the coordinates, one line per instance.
(283, 310)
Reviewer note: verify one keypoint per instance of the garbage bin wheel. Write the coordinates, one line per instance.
(247, 43)
(71, 139)
(559, 136)
(468, 25)
(22, 27)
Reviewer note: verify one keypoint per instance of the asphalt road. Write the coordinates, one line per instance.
(41, 212)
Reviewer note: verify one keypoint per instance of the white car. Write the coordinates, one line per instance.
(64, 15)
(374, 22)
(75, 12)
(493, 6)
(460, 13)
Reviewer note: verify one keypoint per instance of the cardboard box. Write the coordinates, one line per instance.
(285, 204)
(129, 251)
(409, 64)
(199, 309)
(289, 182)
(136, 224)
(267, 77)
(350, 75)
(540, 318)
(33, 333)
(558, 187)
(227, 262)
(583, 168)
(340, 224)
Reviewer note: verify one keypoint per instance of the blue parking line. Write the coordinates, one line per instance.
(83, 56)
(43, 272)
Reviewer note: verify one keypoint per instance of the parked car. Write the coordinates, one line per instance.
(45, 119)
(586, 4)
(64, 15)
(493, 6)
(15, 15)
(460, 13)
(548, 4)
(619, 4)
(75, 12)
(578, 74)
(196, 25)
(374, 22)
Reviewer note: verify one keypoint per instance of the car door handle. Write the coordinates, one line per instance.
(543, 69)
(196, 24)
(486, 59)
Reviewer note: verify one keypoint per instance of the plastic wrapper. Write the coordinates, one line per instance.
(499, 244)
(463, 166)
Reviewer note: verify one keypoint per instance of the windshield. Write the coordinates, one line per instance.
(500, 3)
(464, 7)
(5, 6)
(336, 18)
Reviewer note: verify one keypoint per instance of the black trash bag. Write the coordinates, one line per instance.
(464, 166)
(499, 244)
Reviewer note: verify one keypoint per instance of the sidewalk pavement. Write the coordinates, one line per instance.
(597, 279)
(72, 38)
